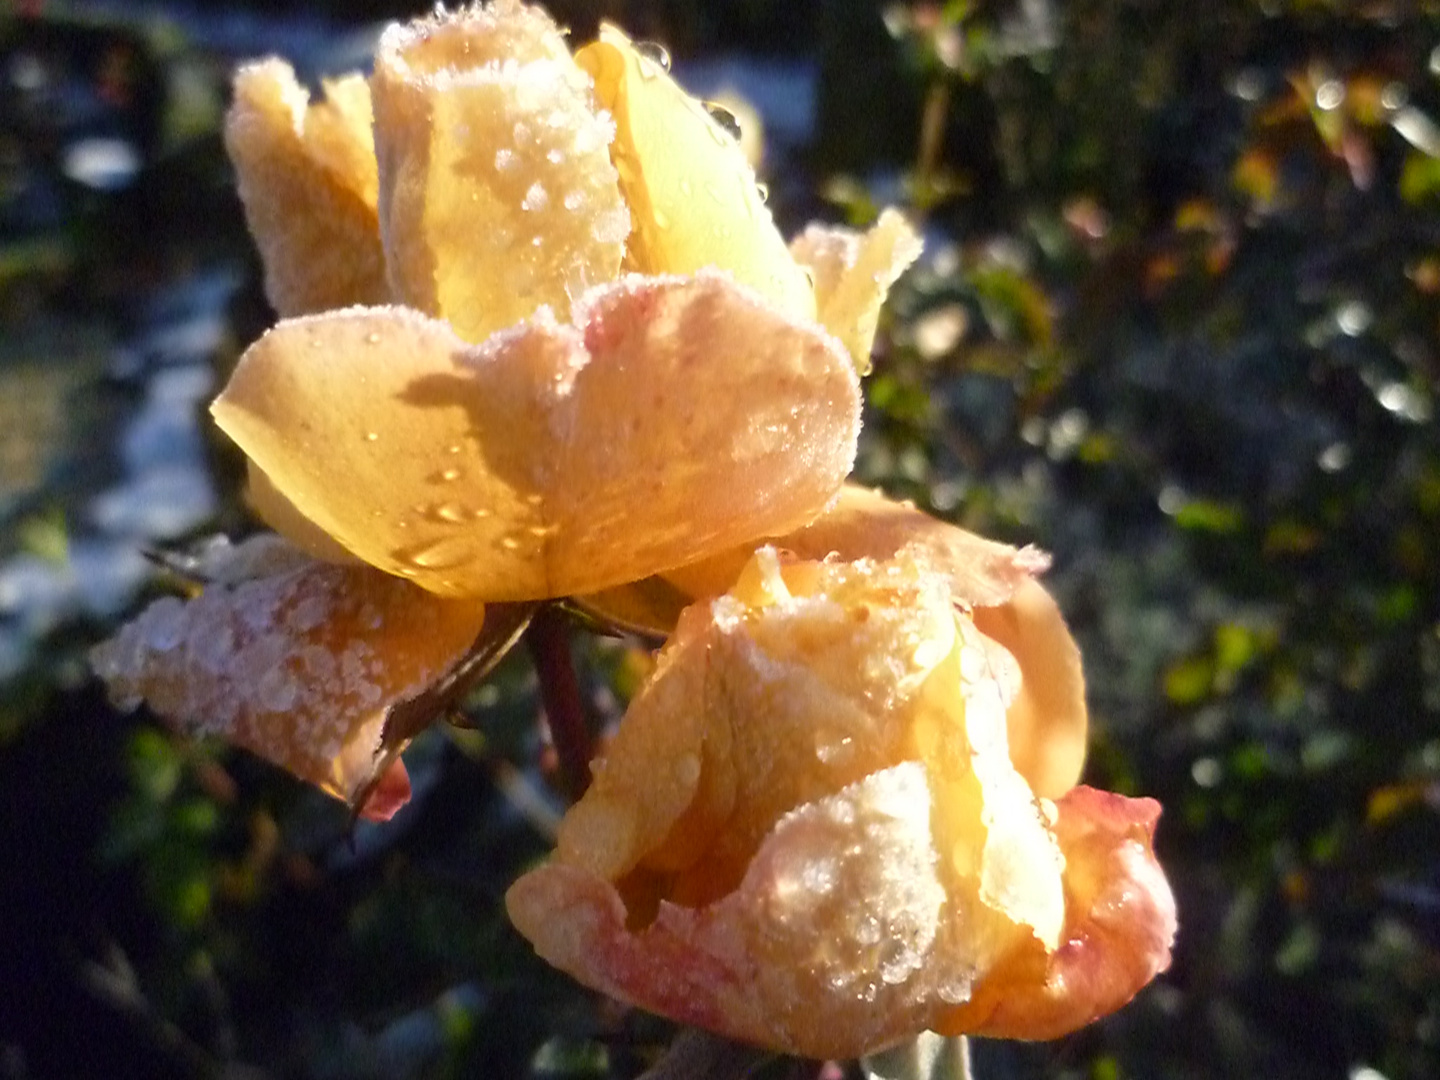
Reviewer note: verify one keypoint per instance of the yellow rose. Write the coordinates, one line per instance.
(540, 336)
(809, 832)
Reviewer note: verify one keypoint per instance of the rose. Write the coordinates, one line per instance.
(809, 832)
(540, 336)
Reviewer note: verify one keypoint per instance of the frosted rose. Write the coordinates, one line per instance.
(809, 833)
(539, 336)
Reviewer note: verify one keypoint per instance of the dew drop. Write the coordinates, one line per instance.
(534, 499)
(833, 748)
(509, 543)
(452, 512)
(372, 338)
(536, 198)
(453, 448)
(371, 436)
(445, 476)
(654, 52)
(439, 554)
(724, 118)
(555, 156)
(661, 221)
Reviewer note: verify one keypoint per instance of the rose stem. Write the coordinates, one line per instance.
(549, 641)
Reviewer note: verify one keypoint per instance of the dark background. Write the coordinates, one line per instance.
(1177, 323)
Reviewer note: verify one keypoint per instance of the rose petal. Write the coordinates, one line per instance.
(682, 416)
(306, 174)
(690, 190)
(865, 524)
(824, 949)
(300, 667)
(497, 193)
(284, 517)
(1119, 926)
(761, 701)
(390, 793)
(853, 274)
(1048, 720)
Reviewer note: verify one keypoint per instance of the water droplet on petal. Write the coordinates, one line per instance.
(373, 338)
(725, 119)
(654, 52)
(439, 554)
(536, 198)
(371, 436)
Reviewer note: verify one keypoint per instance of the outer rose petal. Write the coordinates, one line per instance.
(829, 947)
(1119, 926)
(681, 416)
(1048, 720)
(865, 524)
(273, 508)
(691, 192)
(497, 193)
(853, 274)
(300, 667)
(306, 174)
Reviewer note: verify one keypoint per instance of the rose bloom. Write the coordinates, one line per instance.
(541, 338)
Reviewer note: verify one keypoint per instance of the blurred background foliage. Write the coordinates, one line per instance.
(1177, 322)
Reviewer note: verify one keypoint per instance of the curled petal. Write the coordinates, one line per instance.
(864, 524)
(691, 192)
(301, 667)
(306, 174)
(1119, 927)
(497, 194)
(1048, 719)
(829, 946)
(678, 417)
(853, 274)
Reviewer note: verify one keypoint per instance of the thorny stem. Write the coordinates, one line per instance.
(548, 639)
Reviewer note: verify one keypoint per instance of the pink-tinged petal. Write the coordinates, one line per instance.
(824, 949)
(1120, 922)
(390, 793)
(302, 667)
